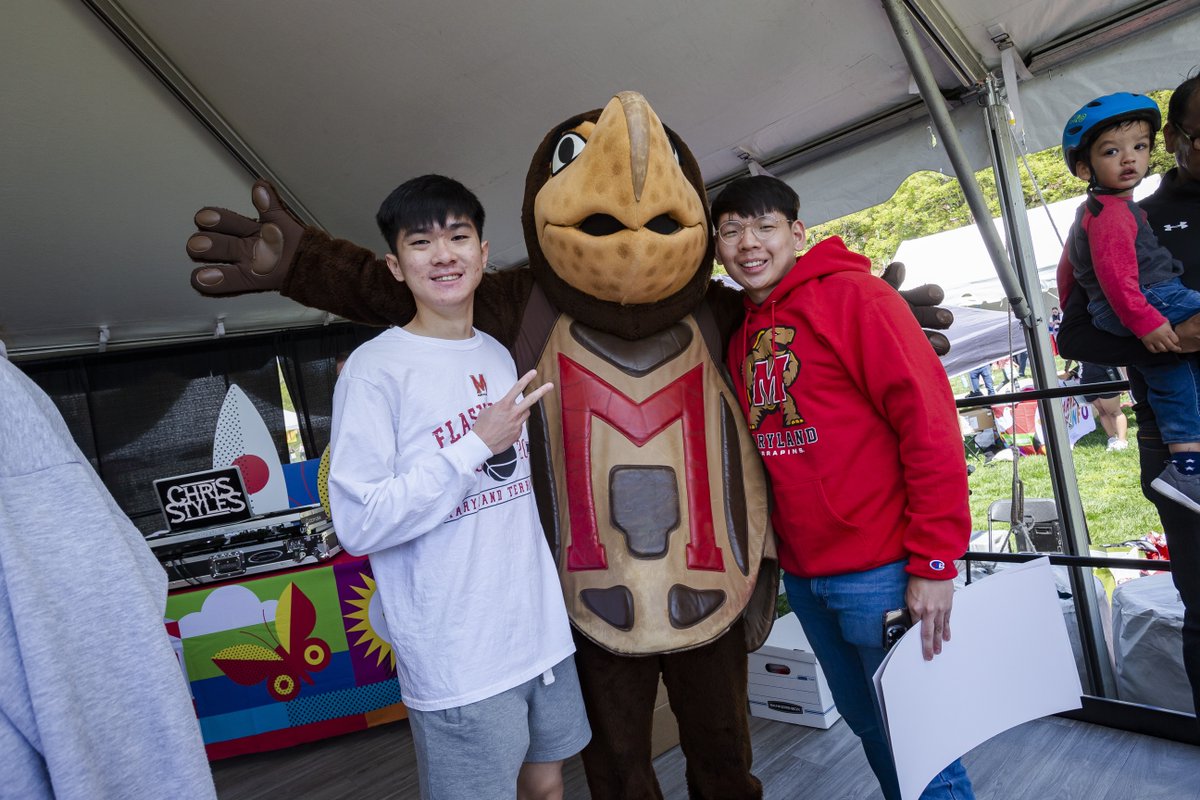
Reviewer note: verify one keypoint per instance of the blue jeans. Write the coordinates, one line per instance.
(1173, 390)
(984, 372)
(843, 620)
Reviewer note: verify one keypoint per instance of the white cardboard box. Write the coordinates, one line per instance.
(785, 680)
(976, 420)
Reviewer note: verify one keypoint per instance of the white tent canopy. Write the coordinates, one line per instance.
(122, 117)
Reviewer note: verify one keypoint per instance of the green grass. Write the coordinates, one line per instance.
(1109, 487)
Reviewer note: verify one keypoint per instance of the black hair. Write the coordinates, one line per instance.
(754, 196)
(426, 201)
(1181, 97)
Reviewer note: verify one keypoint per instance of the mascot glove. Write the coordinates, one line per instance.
(923, 303)
(243, 254)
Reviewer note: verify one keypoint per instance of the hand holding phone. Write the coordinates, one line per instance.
(895, 623)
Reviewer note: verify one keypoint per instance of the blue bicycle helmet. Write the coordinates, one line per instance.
(1104, 112)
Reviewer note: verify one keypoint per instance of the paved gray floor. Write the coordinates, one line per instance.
(1050, 759)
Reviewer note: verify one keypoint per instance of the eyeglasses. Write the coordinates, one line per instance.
(1193, 139)
(764, 228)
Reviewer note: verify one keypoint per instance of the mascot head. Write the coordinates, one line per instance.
(616, 220)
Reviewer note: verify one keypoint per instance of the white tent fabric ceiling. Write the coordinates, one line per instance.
(104, 165)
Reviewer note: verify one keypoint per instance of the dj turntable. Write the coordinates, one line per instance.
(264, 543)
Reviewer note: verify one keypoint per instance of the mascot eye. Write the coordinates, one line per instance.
(675, 152)
(569, 146)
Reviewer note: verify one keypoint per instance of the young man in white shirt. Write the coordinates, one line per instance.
(430, 476)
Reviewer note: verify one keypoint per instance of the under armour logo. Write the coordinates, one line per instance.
(1178, 226)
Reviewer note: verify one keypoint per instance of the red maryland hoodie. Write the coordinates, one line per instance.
(854, 418)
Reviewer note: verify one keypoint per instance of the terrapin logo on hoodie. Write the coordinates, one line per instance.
(771, 369)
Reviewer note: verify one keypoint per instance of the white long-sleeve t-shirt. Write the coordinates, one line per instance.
(466, 579)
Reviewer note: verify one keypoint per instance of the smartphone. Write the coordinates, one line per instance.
(895, 623)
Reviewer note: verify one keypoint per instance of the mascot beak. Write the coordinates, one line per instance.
(637, 123)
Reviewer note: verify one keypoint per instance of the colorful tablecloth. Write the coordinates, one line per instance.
(288, 658)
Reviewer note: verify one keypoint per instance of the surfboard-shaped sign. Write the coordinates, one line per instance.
(242, 440)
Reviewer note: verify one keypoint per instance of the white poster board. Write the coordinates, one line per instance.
(1005, 626)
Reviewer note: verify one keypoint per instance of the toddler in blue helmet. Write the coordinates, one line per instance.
(1132, 282)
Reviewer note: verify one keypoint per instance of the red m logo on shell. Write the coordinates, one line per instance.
(585, 395)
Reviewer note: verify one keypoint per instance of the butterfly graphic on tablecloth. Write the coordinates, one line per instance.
(290, 661)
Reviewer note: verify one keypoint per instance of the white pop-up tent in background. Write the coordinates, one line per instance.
(957, 261)
(983, 331)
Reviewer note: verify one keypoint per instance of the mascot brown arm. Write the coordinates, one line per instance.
(726, 303)
(277, 252)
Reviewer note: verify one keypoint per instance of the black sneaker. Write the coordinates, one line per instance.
(1183, 489)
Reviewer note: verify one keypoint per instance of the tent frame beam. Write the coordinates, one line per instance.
(172, 78)
(1106, 32)
(947, 37)
(939, 114)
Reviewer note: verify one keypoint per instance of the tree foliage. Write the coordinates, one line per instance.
(930, 202)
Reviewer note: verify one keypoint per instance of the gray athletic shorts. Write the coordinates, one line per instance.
(477, 750)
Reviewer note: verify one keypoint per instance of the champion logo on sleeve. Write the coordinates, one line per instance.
(937, 565)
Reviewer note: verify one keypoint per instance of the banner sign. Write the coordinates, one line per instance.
(203, 499)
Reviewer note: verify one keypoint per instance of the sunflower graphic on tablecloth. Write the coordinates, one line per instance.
(367, 634)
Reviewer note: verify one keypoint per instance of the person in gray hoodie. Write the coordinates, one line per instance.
(93, 703)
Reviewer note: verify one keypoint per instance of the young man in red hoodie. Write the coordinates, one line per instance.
(854, 418)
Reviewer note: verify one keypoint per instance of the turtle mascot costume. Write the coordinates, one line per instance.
(651, 494)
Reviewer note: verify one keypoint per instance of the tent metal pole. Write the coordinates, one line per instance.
(1062, 466)
(1076, 541)
(906, 36)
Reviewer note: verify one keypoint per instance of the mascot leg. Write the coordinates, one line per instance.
(707, 690)
(618, 692)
